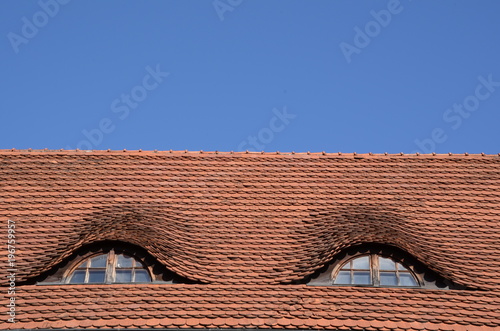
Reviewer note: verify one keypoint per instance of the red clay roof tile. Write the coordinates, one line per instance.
(240, 221)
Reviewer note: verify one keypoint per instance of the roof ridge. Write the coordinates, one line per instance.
(239, 153)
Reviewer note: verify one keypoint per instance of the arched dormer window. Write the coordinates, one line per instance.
(109, 268)
(109, 262)
(373, 270)
(377, 265)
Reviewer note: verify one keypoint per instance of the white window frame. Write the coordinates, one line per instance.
(374, 271)
(110, 269)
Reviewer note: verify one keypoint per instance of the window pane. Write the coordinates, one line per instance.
(346, 266)
(407, 279)
(388, 278)
(344, 277)
(98, 261)
(123, 276)
(78, 277)
(362, 277)
(361, 263)
(386, 264)
(124, 261)
(83, 264)
(142, 276)
(96, 276)
(401, 268)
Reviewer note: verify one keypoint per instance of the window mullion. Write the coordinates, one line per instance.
(132, 272)
(374, 266)
(110, 267)
(351, 272)
(87, 271)
(397, 275)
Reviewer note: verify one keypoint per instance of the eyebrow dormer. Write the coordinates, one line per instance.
(110, 262)
(374, 265)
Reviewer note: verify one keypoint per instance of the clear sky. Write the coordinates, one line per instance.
(274, 75)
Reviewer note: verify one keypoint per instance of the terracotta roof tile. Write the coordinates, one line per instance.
(376, 313)
(248, 223)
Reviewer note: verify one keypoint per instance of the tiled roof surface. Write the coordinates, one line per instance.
(255, 306)
(247, 225)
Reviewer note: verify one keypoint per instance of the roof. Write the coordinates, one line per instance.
(249, 226)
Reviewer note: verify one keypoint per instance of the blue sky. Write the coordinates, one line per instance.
(273, 75)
